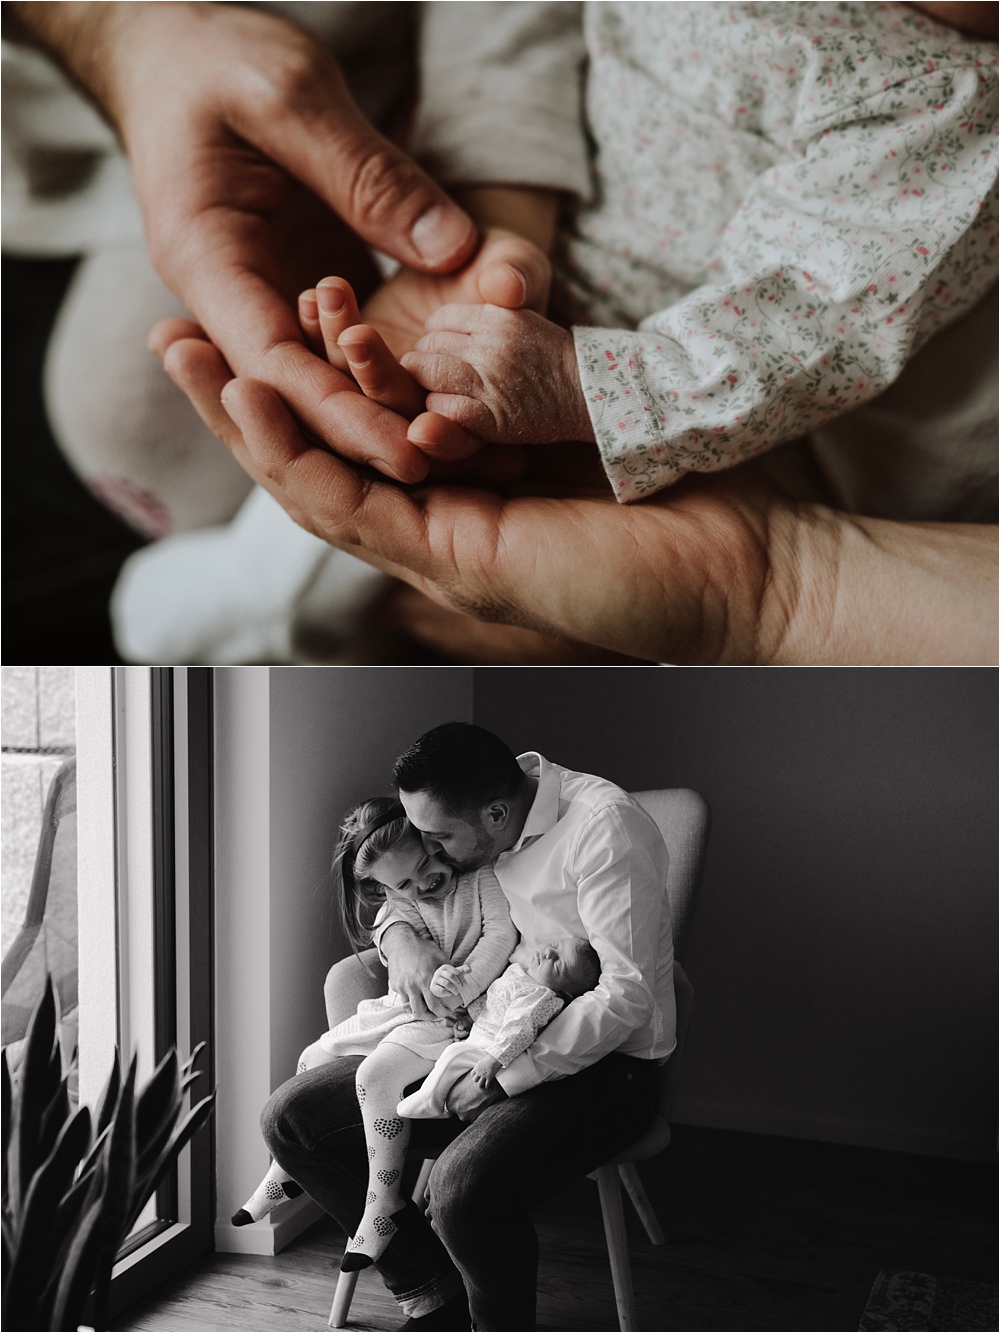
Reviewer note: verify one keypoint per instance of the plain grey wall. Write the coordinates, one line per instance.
(843, 948)
(334, 733)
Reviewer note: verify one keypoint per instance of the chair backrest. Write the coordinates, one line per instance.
(682, 816)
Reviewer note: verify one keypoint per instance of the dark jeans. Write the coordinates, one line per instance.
(486, 1178)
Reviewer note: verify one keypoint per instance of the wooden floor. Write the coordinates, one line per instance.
(761, 1233)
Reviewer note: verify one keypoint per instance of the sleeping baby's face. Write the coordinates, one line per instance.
(568, 965)
(407, 871)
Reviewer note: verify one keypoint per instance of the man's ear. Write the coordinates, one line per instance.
(495, 816)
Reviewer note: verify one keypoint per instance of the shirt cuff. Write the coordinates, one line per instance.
(519, 1076)
(627, 424)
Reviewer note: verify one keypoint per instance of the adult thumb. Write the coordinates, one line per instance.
(318, 133)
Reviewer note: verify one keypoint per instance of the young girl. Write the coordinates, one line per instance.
(380, 857)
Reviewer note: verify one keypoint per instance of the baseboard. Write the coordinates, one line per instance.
(272, 1235)
(829, 1129)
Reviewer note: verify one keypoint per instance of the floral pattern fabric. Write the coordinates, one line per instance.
(801, 193)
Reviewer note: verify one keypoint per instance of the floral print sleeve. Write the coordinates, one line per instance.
(875, 224)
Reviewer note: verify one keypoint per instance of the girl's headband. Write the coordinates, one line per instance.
(394, 812)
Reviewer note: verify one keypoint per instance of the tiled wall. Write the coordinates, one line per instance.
(38, 729)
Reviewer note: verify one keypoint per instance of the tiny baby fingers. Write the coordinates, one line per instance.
(338, 311)
(309, 320)
(377, 372)
(470, 319)
(469, 413)
(443, 373)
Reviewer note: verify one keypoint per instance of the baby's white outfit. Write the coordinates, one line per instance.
(508, 1018)
(473, 926)
(790, 199)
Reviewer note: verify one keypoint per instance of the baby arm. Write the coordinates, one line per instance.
(506, 376)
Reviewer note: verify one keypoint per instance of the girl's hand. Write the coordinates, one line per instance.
(506, 376)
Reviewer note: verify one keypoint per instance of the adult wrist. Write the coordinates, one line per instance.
(87, 41)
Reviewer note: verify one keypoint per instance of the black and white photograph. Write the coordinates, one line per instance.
(487, 998)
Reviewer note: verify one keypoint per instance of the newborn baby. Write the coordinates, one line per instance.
(534, 988)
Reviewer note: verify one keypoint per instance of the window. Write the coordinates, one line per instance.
(141, 892)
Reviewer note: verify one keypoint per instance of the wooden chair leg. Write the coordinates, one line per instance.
(609, 1186)
(420, 1188)
(648, 1218)
(342, 1297)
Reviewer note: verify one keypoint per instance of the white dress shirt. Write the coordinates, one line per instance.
(591, 862)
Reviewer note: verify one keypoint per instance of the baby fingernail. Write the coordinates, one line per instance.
(332, 299)
(521, 279)
(308, 308)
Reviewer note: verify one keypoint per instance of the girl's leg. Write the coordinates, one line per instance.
(278, 1185)
(381, 1079)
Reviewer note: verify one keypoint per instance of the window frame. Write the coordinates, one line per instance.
(175, 830)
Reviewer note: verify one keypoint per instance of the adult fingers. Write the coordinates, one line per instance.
(168, 331)
(442, 439)
(306, 120)
(377, 372)
(518, 276)
(199, 370)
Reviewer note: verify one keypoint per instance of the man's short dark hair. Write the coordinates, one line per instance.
(462, 766)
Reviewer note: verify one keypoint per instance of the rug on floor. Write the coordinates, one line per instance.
(919, 1301)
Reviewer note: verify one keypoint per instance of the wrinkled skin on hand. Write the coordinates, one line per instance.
(508, 376)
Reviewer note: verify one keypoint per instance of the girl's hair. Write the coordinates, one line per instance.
(366, 833)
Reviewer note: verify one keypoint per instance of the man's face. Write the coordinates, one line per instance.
(464, 841)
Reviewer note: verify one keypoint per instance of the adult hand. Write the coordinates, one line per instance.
(226, 113)
(468, 1100)
(717, 569)
(412, 963)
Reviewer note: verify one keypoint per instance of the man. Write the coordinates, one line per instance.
(575, 855)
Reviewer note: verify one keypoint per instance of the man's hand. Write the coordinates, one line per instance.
(717, 569)
(468, 1100)
(244, 143)
(412, 964)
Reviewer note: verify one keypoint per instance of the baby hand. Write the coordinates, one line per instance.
(446, 984)
(507, 376)
(461, 1025)
(484, 1071)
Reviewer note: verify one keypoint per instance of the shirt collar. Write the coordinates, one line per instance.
(544, 812)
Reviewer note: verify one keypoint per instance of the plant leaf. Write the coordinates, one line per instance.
(76, 1277)
(55, 1116)
(35, 1244)
(35, 1089)
(157, 1109)
(185, 1131)
(109, 1098)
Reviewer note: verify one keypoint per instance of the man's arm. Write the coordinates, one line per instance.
(412, 962)
(620, 872)
(721, 569)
